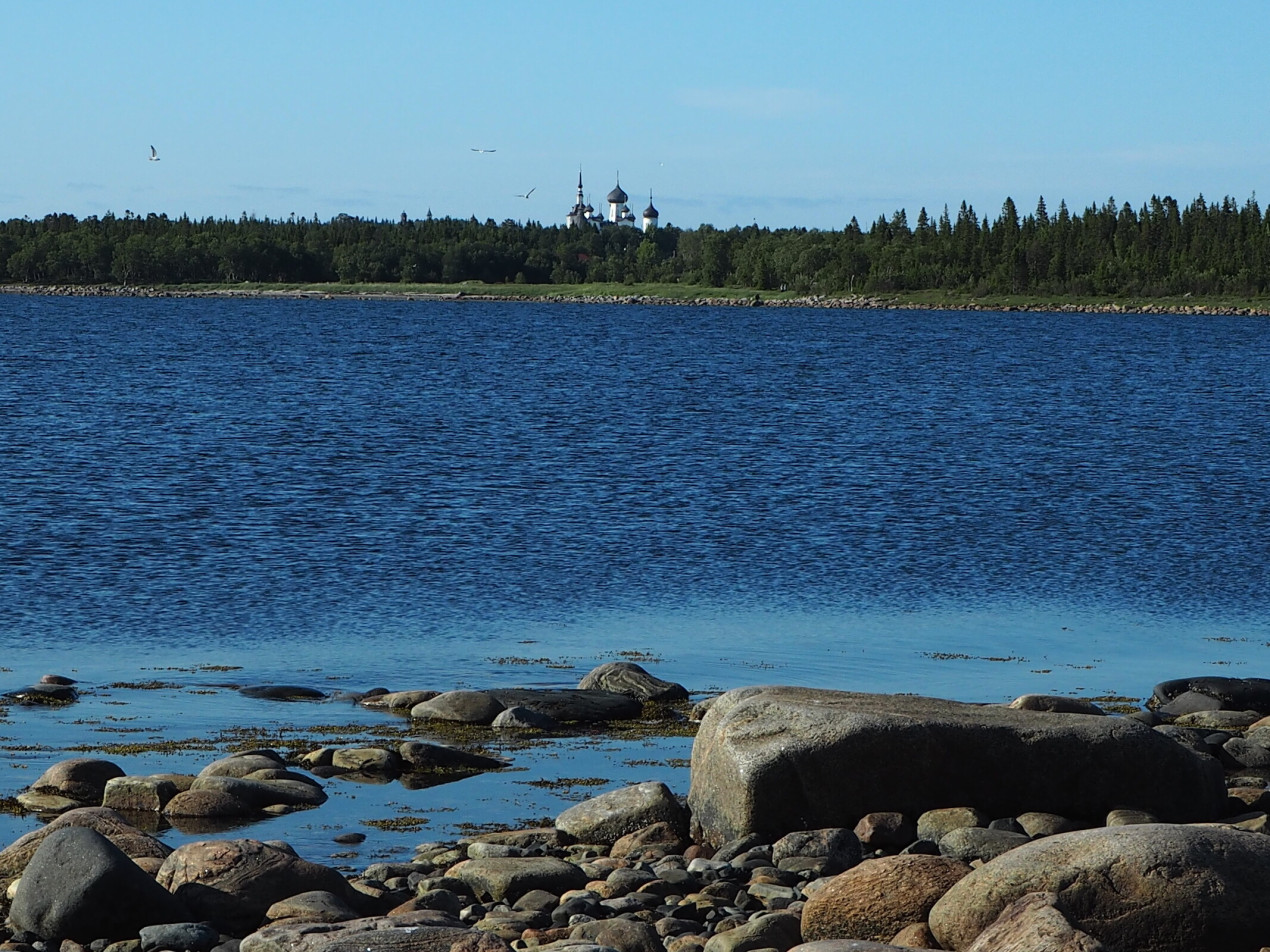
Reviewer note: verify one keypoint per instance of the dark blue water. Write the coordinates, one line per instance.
(420, 494)
(428, 480)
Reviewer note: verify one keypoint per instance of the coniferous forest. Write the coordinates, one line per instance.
(1107, 250)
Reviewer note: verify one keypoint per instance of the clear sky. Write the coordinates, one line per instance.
(788, 114)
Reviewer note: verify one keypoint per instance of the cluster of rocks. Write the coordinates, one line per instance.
(820, 821)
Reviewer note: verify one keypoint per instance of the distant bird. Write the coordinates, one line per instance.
(528, 193)
(154, 156)
(484, 150)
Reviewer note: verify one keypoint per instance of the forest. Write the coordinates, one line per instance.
(1106, 250)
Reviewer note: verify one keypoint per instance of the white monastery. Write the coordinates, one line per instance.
(582, 214)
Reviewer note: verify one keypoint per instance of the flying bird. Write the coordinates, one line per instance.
(528, 193)
(154, 156)
(484, 150)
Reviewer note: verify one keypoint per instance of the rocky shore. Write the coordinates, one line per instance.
(823, 821)
(849, 301)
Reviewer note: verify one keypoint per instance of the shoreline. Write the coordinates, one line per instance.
(747, 299)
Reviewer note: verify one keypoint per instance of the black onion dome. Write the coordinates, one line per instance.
(617, 196)
(650, 212)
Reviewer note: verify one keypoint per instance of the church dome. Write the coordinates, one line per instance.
(617, 196)
(650, 211)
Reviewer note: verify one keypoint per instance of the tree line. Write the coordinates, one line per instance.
(1107, 250)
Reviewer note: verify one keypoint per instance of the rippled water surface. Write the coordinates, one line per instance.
(427, 494)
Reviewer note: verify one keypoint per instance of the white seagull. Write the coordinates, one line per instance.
(484, 151)
(154, 156)
(528, 193)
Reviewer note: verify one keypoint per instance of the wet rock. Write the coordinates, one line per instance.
(232, 883)
(1150, 888)
(879, 897)
(610, 816)
(463, 707)
(772, 759)
(79, 885)
(283, 692)
(44, 693)
(423, 756)
(1232, 693)
(623, 677)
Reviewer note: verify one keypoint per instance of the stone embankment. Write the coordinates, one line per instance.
(849, 301)
(820, 821)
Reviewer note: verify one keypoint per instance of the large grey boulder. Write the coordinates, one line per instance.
(624, 677)
(422, 931)
(140, 846)
(612, 815)
(82, 779)
(779, 931)
(776, 759)
(232, 883)
(1146, 888)
(80, 886)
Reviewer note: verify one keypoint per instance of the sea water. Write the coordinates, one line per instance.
(201, 493)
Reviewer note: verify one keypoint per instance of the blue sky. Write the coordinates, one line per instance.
(794, 114)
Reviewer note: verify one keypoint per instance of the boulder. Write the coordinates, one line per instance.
(232, 883)
(80, 886)
(138, 794)
(240, 765)
(259, 794)
(398, 700)
(208, 803)
(623, 677)
(82, 779)
(422, 931)
(612, 815)
(133, 842)
(885, 829)
(838, 847)
(369, 759)
(282, 692)
(524, 718)
(776, 759)
(186, 936)
(624, 935)
(656, 836)
(1033, 924)
(877, 898)
(418, 755)
(1148, 888)
(316, 905)
(565, 705)
(461, 707)
(1233, 694)
(779, 931)
(856, 945)
(510, 877)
